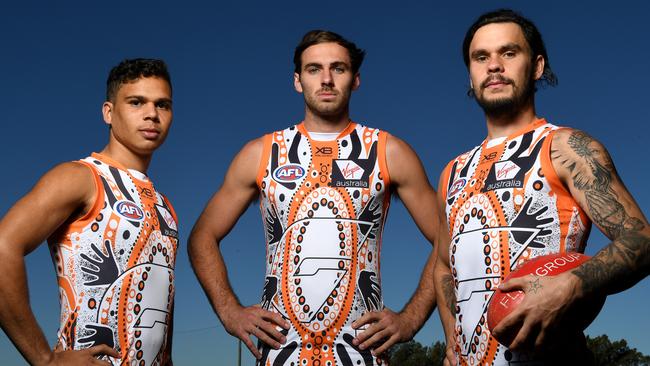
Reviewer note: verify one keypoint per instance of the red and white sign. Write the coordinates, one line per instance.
(506, 169)
(350, 169)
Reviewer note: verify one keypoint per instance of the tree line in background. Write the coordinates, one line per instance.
(606, 353)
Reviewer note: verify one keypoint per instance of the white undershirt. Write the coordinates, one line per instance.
(494, 142)
(138, 175)
(324, 136)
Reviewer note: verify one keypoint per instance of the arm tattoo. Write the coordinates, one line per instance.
(596, 182)
(449, 293)
(627, 259)
(619, 265)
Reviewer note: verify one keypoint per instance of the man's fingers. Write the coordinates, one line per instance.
(520, 340)
(513, 284)
(369, 317)
(269, 330)
(265, 338)
(367, 333)
(103, 349)
(450, 358)
(507, 325)
(377, 337)
(251, 347)
(539, 342)
(387, 344)
(275, 318)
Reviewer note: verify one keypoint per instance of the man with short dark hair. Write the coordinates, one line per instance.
(529, 189)
(112, 236)
(324, 187)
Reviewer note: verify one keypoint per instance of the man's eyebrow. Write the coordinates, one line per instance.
(506, 47)
(478, 52)
(510, 47)
(313, 64)
(165, 100)
(143, 98)
(339, 63)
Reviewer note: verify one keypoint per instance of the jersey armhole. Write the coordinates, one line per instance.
(445, 180)
(267, 140)
(99, 194)
(171, 208)
(548, 169)
(382, 138)
(561, 191)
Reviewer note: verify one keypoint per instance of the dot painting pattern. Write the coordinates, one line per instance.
(323, 241)
(115, 268)
(504, 206)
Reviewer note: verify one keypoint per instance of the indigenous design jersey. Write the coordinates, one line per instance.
(504, 205)
(323, 206)
(115, 268)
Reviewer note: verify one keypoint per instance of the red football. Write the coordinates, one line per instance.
(503, 303)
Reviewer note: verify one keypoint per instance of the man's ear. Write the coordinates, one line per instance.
(107, 112)
(357, 81)
(296, 82)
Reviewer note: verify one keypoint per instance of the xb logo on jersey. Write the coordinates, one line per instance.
(288, 173)
(324, 151)
(128, 210)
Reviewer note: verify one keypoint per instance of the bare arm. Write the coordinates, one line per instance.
(444, 281)
(585, 166)
(64, 193)
(586, 169)
(410, 182)
(217, 219)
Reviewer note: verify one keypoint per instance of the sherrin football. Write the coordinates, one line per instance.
(503, 303)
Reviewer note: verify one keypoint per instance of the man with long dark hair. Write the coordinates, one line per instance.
(529, 189)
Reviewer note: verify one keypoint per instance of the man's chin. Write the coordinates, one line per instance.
(327, 110)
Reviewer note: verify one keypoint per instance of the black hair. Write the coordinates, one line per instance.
(132, 69)
(322, 36)
(531, 33)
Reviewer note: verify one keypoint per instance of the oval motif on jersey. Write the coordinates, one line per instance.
(128, 210)
(455, 188)
(288, 173)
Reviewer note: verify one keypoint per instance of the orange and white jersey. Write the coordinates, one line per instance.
(504, 205)
(115, 268)
(323, 206)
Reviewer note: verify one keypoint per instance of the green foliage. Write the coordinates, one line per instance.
(414, 354)
(606, 353)
(616, 353)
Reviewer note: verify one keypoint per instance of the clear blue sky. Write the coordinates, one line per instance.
(232, 74)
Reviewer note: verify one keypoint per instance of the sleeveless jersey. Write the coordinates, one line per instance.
(115, 268)
(323, 206)
(504, 205)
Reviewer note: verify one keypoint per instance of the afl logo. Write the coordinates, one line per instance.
(455, 188)
(128, 210)
(288, 173)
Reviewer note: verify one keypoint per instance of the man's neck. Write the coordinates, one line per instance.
(505, 125)
(127, 158)
(331, 124)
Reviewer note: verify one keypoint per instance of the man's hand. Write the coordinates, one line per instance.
(450, 354)
(83, 357)
(534, 324)
(386, 328)
(242, 322)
